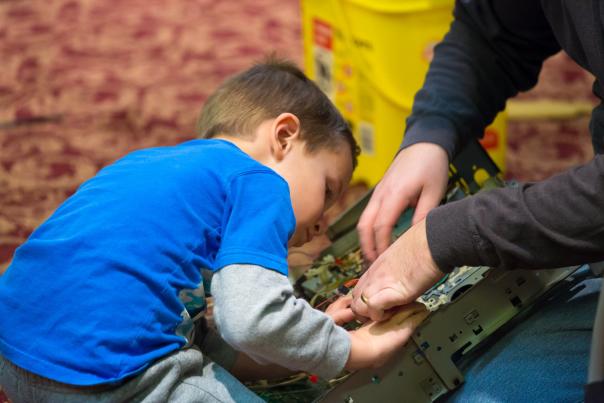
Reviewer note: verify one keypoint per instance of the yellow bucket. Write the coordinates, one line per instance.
(371, 57)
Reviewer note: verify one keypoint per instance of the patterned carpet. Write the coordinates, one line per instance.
(82, 82)
(539, 148)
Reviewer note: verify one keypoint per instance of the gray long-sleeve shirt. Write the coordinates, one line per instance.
(494, 49)
(257, 313)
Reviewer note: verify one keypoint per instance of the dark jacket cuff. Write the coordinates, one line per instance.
(433, 129)
(594, 392)
(450, 238)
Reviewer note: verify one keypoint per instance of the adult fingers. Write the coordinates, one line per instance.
(365, 227)
(405, 311)
(343, 316)
(429, 198)
(360, 309)
(379, 304)
(412, 321)
(409, 323)
(390, 211)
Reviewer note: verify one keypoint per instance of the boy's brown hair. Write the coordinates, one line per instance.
(266, 90)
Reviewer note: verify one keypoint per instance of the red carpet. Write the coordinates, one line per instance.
(82, 82)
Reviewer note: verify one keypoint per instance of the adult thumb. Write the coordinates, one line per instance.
(383, 300)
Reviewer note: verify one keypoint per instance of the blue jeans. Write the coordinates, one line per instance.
(543, 357)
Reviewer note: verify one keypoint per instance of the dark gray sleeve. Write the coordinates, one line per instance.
(594, 392)
(257, 313)
(553, 223)
(493, 50)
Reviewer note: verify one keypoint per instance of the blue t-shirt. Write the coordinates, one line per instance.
(110, 281)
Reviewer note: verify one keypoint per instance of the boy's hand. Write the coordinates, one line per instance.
(375, 342)
(340, 310)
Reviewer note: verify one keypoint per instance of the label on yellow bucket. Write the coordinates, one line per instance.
(323, 56)
(370, 57)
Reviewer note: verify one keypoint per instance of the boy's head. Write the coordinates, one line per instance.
(282, 119)
(265, 91)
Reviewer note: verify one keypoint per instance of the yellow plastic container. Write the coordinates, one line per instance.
(371, 57)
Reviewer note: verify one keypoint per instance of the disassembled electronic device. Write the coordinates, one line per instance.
(426, 368)
(468, 305)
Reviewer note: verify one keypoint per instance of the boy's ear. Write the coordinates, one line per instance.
(285, 130)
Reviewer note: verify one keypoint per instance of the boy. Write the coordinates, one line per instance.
(99, 302)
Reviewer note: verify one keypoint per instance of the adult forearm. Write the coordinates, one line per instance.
(552, 223)
(490, 53)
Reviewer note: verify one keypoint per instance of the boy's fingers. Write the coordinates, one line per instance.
(346, 300)
(340, 303)
(343, 316)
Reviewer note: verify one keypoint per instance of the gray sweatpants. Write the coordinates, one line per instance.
(183, 376)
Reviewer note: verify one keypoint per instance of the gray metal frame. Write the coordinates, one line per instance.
(424, 370)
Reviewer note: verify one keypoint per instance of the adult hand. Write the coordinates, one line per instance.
(416, 178)
(400, 275)
(340, 311)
